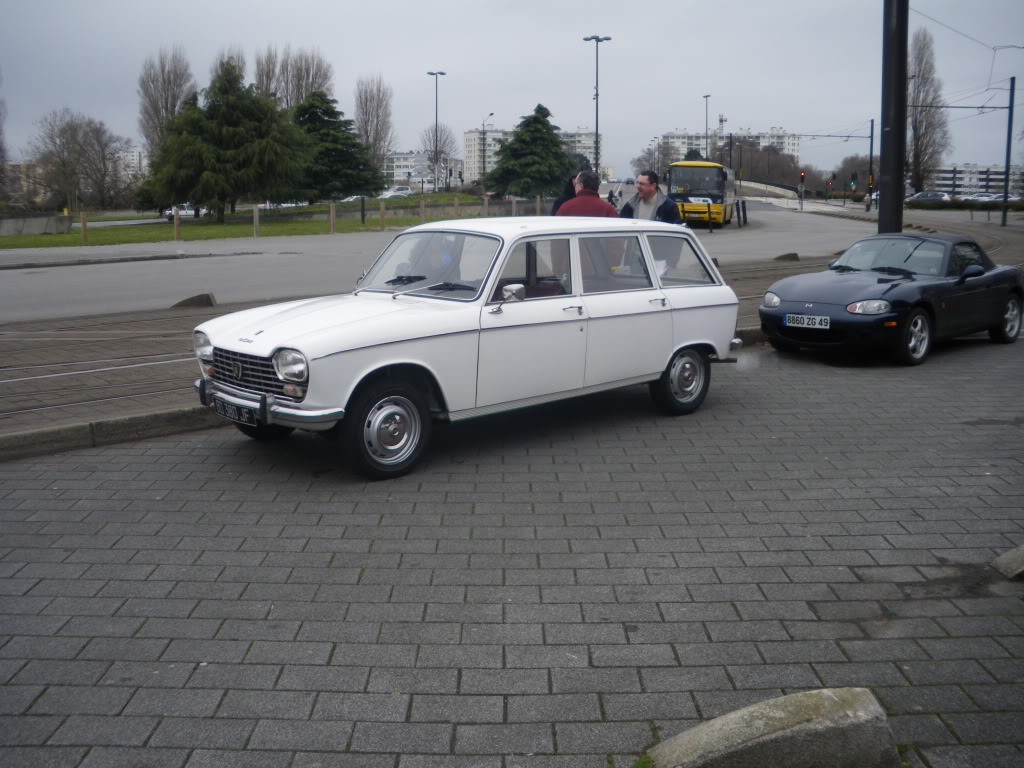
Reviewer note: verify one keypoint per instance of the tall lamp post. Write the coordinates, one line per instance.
(707, 143)
(597, 125)
(436, 154)
(483, 145)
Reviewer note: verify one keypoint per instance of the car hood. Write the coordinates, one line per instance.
(323, 326)
(837, 287)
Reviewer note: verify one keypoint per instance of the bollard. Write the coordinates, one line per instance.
(362, 210)
(177, 224)
(745, 222)
(423, 211)
(711, 223)
(333, 219)
(738, 213)
(381, 214)
(84, 219)
(255, 221)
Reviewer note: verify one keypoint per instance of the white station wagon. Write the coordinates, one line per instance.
(458, 319)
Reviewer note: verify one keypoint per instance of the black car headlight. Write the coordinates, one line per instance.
(869, 307)
(290, 365)
(771, 300)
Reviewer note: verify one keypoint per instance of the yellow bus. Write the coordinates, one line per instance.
(696, 184)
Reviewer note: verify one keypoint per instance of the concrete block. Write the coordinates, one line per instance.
(838, 727)
(1011, 564)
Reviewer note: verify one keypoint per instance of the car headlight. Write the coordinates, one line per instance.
(869, 307)
(290, 365)
(771, 300)
(203, 346)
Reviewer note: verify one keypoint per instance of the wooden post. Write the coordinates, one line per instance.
(177, 224)
(485, 206)
(333, 230)
(256, 221)
(538, 205)
(382, 214)
(514, 207)
(457, 215)
(423, 211)
(84, 220)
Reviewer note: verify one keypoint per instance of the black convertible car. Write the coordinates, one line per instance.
(898, 291)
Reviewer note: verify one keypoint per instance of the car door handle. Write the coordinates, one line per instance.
(655, 301)
(577, 307)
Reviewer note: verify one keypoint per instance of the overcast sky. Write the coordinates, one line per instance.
(809, 66)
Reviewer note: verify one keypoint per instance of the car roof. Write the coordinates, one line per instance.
(517, 226)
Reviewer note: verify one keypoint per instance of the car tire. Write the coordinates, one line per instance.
(684, 383)
(915, 338)
(386, 429)
(264, 431)
(1008, 329)
(784, 346)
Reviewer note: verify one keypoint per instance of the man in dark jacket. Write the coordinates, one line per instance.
(587, 201)
(650, 202)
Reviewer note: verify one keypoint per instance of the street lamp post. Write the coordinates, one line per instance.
(483, 145)
(597, 125)
(436, 154)
(707, 143)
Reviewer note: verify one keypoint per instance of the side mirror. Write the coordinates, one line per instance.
(511, 292)
(360, 278)
(971, 270)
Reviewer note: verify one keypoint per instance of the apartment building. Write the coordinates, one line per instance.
(414, 169)
(682, 142)
(480, 146)
(970, 178)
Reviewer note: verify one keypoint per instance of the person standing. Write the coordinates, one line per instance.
(568, 193)
(649, 202)
(587, 201)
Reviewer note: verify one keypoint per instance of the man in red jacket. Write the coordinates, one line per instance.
(587, 202)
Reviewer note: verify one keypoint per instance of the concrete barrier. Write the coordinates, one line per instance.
(44, 224)
(1011, 564)
(834, 727)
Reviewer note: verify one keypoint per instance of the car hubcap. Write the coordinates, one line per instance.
(918, 341)
(1012, 318)
(391, 431)
(686, 376)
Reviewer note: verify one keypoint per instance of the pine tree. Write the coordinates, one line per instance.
(533, 161)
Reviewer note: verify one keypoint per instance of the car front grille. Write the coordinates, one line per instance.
(248, 372)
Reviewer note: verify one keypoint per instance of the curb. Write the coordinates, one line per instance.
(93, 434)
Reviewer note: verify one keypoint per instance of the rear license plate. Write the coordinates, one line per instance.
(235, 412)
(807, 321)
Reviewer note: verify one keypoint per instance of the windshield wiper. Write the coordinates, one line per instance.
(451, 287)
(845, 268)
(405, 279)
(893, 271)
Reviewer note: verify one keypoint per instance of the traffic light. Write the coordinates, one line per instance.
(803, 175)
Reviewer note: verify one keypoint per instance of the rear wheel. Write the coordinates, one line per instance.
(915, 338)
(1008, 329)
(386, 429)
(264, 431)
(684, 382)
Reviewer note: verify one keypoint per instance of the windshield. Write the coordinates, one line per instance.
(698, 180)
(919, 257)
(452, 265)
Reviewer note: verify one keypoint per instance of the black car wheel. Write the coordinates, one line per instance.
(915, 338)
(1008, 329)
(684, 382)
(386, 429)
(264, 431)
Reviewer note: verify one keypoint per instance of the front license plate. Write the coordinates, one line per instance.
(234, 412)
(807, 321)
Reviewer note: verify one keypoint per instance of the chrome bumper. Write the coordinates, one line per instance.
(269, 409)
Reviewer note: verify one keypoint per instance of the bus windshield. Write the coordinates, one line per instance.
(695, 180)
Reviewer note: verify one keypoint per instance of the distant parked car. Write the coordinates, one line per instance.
(979, 197)
(185, 211)
(393, 194)
(928, 196)
(901, 292)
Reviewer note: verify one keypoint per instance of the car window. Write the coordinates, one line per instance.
(542, 266)
(450, 265)
(677, 263)
(613, 264)
(964, 254)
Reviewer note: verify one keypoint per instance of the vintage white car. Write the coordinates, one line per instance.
(458, 319)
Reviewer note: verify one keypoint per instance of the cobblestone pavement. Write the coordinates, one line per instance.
(554, 588)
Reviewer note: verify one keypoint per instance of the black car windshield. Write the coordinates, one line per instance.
(452, 265)
(908, 255)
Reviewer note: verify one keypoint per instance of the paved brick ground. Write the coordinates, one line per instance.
(553, 589)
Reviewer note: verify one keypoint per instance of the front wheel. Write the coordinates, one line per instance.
(1008, 328)
(386, 429)
(915, 338)
(264, 431)
(684, 383)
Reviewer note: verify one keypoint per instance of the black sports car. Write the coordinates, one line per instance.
(898, 291)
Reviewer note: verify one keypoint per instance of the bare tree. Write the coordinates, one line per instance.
(233, 54)
(3, 146)
(164, 84)
(645, 161)
(100, 163)
(291, 77)
(438, 142)
(57, 151)
(928, 136)
(266, 71)
(373, 116)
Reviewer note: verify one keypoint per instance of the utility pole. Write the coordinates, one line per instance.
(871, 164)
(1009, 145)
(597, 113)
(895, 15)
